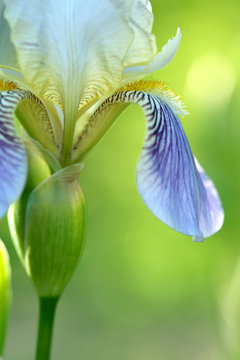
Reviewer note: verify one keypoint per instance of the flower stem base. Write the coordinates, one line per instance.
(45, 327)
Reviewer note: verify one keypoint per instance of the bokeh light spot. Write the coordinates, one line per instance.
(211, 80)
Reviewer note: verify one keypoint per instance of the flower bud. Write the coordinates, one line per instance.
(5, 292)
(54, 231)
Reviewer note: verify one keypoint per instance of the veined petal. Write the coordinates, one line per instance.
(160, 60)
(70, 52)
(169, 181)
(13, 159)
(7, 51)
(171, 184)
(143, 49)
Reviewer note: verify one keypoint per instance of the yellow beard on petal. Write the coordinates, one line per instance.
(149, 86)
(160, 89)
(7, 85)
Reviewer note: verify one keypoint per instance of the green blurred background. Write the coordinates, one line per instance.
(143, 291)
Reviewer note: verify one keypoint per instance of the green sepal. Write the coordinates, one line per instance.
(5, 293)
(54, 231)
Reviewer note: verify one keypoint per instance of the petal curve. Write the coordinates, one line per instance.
(171, 183)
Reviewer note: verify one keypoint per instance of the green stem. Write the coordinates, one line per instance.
(70, 115)
(45, 327)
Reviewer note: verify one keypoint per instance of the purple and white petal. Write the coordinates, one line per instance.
(217, 214)
(171, 184)
(13, 159)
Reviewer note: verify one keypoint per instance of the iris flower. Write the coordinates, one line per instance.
(67, 71)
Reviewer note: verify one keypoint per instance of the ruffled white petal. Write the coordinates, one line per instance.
(70, 51)
(7, 51)
(143, 49)
(160, 60)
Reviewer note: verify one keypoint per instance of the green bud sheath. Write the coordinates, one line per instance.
(54, 231)
(5, 292)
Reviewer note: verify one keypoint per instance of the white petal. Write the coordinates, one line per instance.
(7, 51)
(161, 59)
(143, 48)
(70, 51)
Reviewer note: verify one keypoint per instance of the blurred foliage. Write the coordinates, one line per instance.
(143, 291)
(5, 293)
